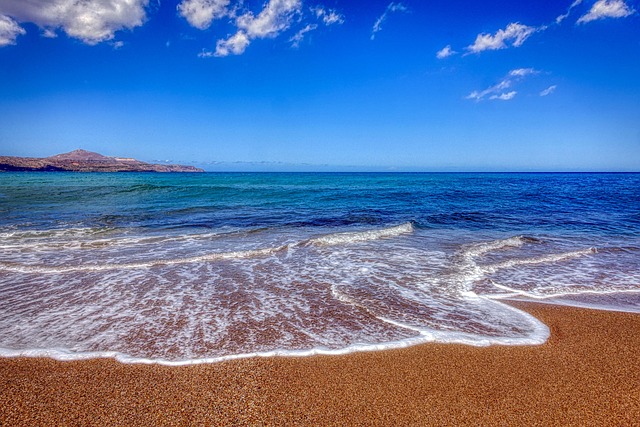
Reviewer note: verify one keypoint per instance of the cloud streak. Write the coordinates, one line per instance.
(499, 90)
(391, 8)
(564, 16)
(299, 36)
(504, 96)
(514, 35)
(548, 91)
(324, 16)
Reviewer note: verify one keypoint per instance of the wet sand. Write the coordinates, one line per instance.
(588, 373)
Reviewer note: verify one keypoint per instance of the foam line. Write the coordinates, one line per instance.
(330, 239)
(515, 292)
(362, 236)
(480, 249)
(117, 241)
(136, 265)
(540, 260)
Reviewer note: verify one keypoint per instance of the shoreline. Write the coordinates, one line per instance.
(588, 372)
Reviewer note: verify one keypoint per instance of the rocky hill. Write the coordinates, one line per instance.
(86, 161)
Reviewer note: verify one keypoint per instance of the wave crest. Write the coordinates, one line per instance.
(362, 236)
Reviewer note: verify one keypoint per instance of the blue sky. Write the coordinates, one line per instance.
(326, 85)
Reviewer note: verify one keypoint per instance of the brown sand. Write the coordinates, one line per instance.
(588, 373)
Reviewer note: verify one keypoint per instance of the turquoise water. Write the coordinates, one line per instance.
(184, 268)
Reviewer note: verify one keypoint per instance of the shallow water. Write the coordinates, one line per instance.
(181, 268)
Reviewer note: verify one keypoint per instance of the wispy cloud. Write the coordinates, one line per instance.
(92, 21)
(9, 31)
(204, 53)
(606, 9)
(299, 36)
(548, 91)
(499, 90)
(391, 8)
(515, 34)
(324, 16)
(49, 33)
(328, 16)
(523, 72)
(445, 52)
(504, 96)
(565, 15)
(480, 95)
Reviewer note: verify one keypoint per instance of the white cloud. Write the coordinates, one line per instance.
(498, 91)
(49, 33)
(522, 72)
(480, 95)
(548, 91)
(9, 31)
(504, 96)
(606, 9)
(200, 13)
(445, 52)
(391, 8)
(235, 44)
(564, 16)
(275, 17)
(515, 34)
(299, 36)
(91, 21)
(328, 17)
(206, 54)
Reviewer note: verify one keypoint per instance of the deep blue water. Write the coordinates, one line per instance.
(184, 267)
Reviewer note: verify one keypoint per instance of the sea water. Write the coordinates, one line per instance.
(188, 268)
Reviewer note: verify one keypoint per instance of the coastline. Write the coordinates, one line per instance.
(588, 372)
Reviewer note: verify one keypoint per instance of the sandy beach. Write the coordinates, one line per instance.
(588, 373)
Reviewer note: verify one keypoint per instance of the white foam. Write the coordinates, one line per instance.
(363, 236)
(40, 240)
(539, 335)
(138, 265)
(55, 233)
(324, 295)
(330, 240)
(480, 249)
(540, 260)
(512, 292)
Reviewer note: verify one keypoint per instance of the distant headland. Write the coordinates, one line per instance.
(86, 161)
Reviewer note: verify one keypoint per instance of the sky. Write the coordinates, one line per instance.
(411, 85)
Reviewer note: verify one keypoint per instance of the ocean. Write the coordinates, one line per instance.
(199, 268)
